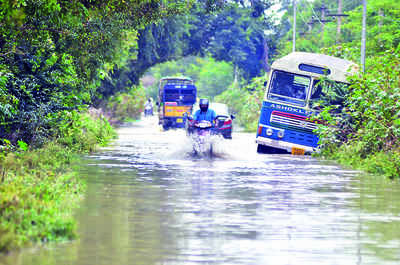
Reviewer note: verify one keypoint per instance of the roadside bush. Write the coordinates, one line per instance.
(365, 132)
(38, 187)
(37, 196)
(126, 106)
(246, 102)
(82, 132)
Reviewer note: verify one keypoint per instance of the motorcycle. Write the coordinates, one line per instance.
(201, 133)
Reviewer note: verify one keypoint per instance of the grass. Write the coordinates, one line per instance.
(38, 195)
(382, 163)
(39, 189)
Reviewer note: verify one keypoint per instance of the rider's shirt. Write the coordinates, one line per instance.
(148, 105)
(209, 115)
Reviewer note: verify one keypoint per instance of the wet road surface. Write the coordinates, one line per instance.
(149, 201)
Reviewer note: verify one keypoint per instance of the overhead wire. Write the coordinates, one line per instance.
(314, 12)
(301, 16)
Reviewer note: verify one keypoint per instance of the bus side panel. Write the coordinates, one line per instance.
(289, 120)
(265, 115)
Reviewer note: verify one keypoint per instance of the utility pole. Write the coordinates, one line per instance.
(294, 25)
(323, 8)
(381, 15)
(323, 19)
(363, 35)
(338, 16)
(339, 20)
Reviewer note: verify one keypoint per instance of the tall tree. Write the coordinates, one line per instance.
(234, 33)
(54, 53)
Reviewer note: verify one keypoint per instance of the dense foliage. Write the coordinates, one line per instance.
(211, 77)
(234, 34)
(37, 206)
(126, 106)
(54, 55)
(317, 31)
(245, 101)
(365, 132)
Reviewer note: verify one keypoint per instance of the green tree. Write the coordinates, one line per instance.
(232, 32)
(211, 77)
(54, 54)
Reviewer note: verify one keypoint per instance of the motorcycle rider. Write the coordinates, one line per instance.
(148, 108)
(202, 141)
(204, 113)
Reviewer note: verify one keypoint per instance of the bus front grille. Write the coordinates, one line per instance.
(293, 121)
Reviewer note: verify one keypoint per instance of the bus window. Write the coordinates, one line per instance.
(328, 92)
(289, 87)
(316, 94)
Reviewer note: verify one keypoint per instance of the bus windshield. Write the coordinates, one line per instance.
(289, 87)
(328, 92)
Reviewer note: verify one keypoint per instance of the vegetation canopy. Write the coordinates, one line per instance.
(55, 54)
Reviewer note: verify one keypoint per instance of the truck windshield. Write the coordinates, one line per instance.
(289, 87)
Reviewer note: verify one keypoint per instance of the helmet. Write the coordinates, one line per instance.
(203, 104)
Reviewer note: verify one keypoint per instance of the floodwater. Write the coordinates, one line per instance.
(150, 202)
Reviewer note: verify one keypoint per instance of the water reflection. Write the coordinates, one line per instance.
(379, 228)
(150, 202)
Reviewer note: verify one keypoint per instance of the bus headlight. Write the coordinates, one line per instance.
(281, 134)
(269, 131)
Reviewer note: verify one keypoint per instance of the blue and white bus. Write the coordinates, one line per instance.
(284, 124)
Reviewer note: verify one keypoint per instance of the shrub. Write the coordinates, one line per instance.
(37, 196)
(246, 102)
(82, 132)
(38, 189)
(126, 106)
(366, 130)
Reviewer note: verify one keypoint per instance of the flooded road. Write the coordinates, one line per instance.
(150, 202)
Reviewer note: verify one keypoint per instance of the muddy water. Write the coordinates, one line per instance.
(150, 202)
